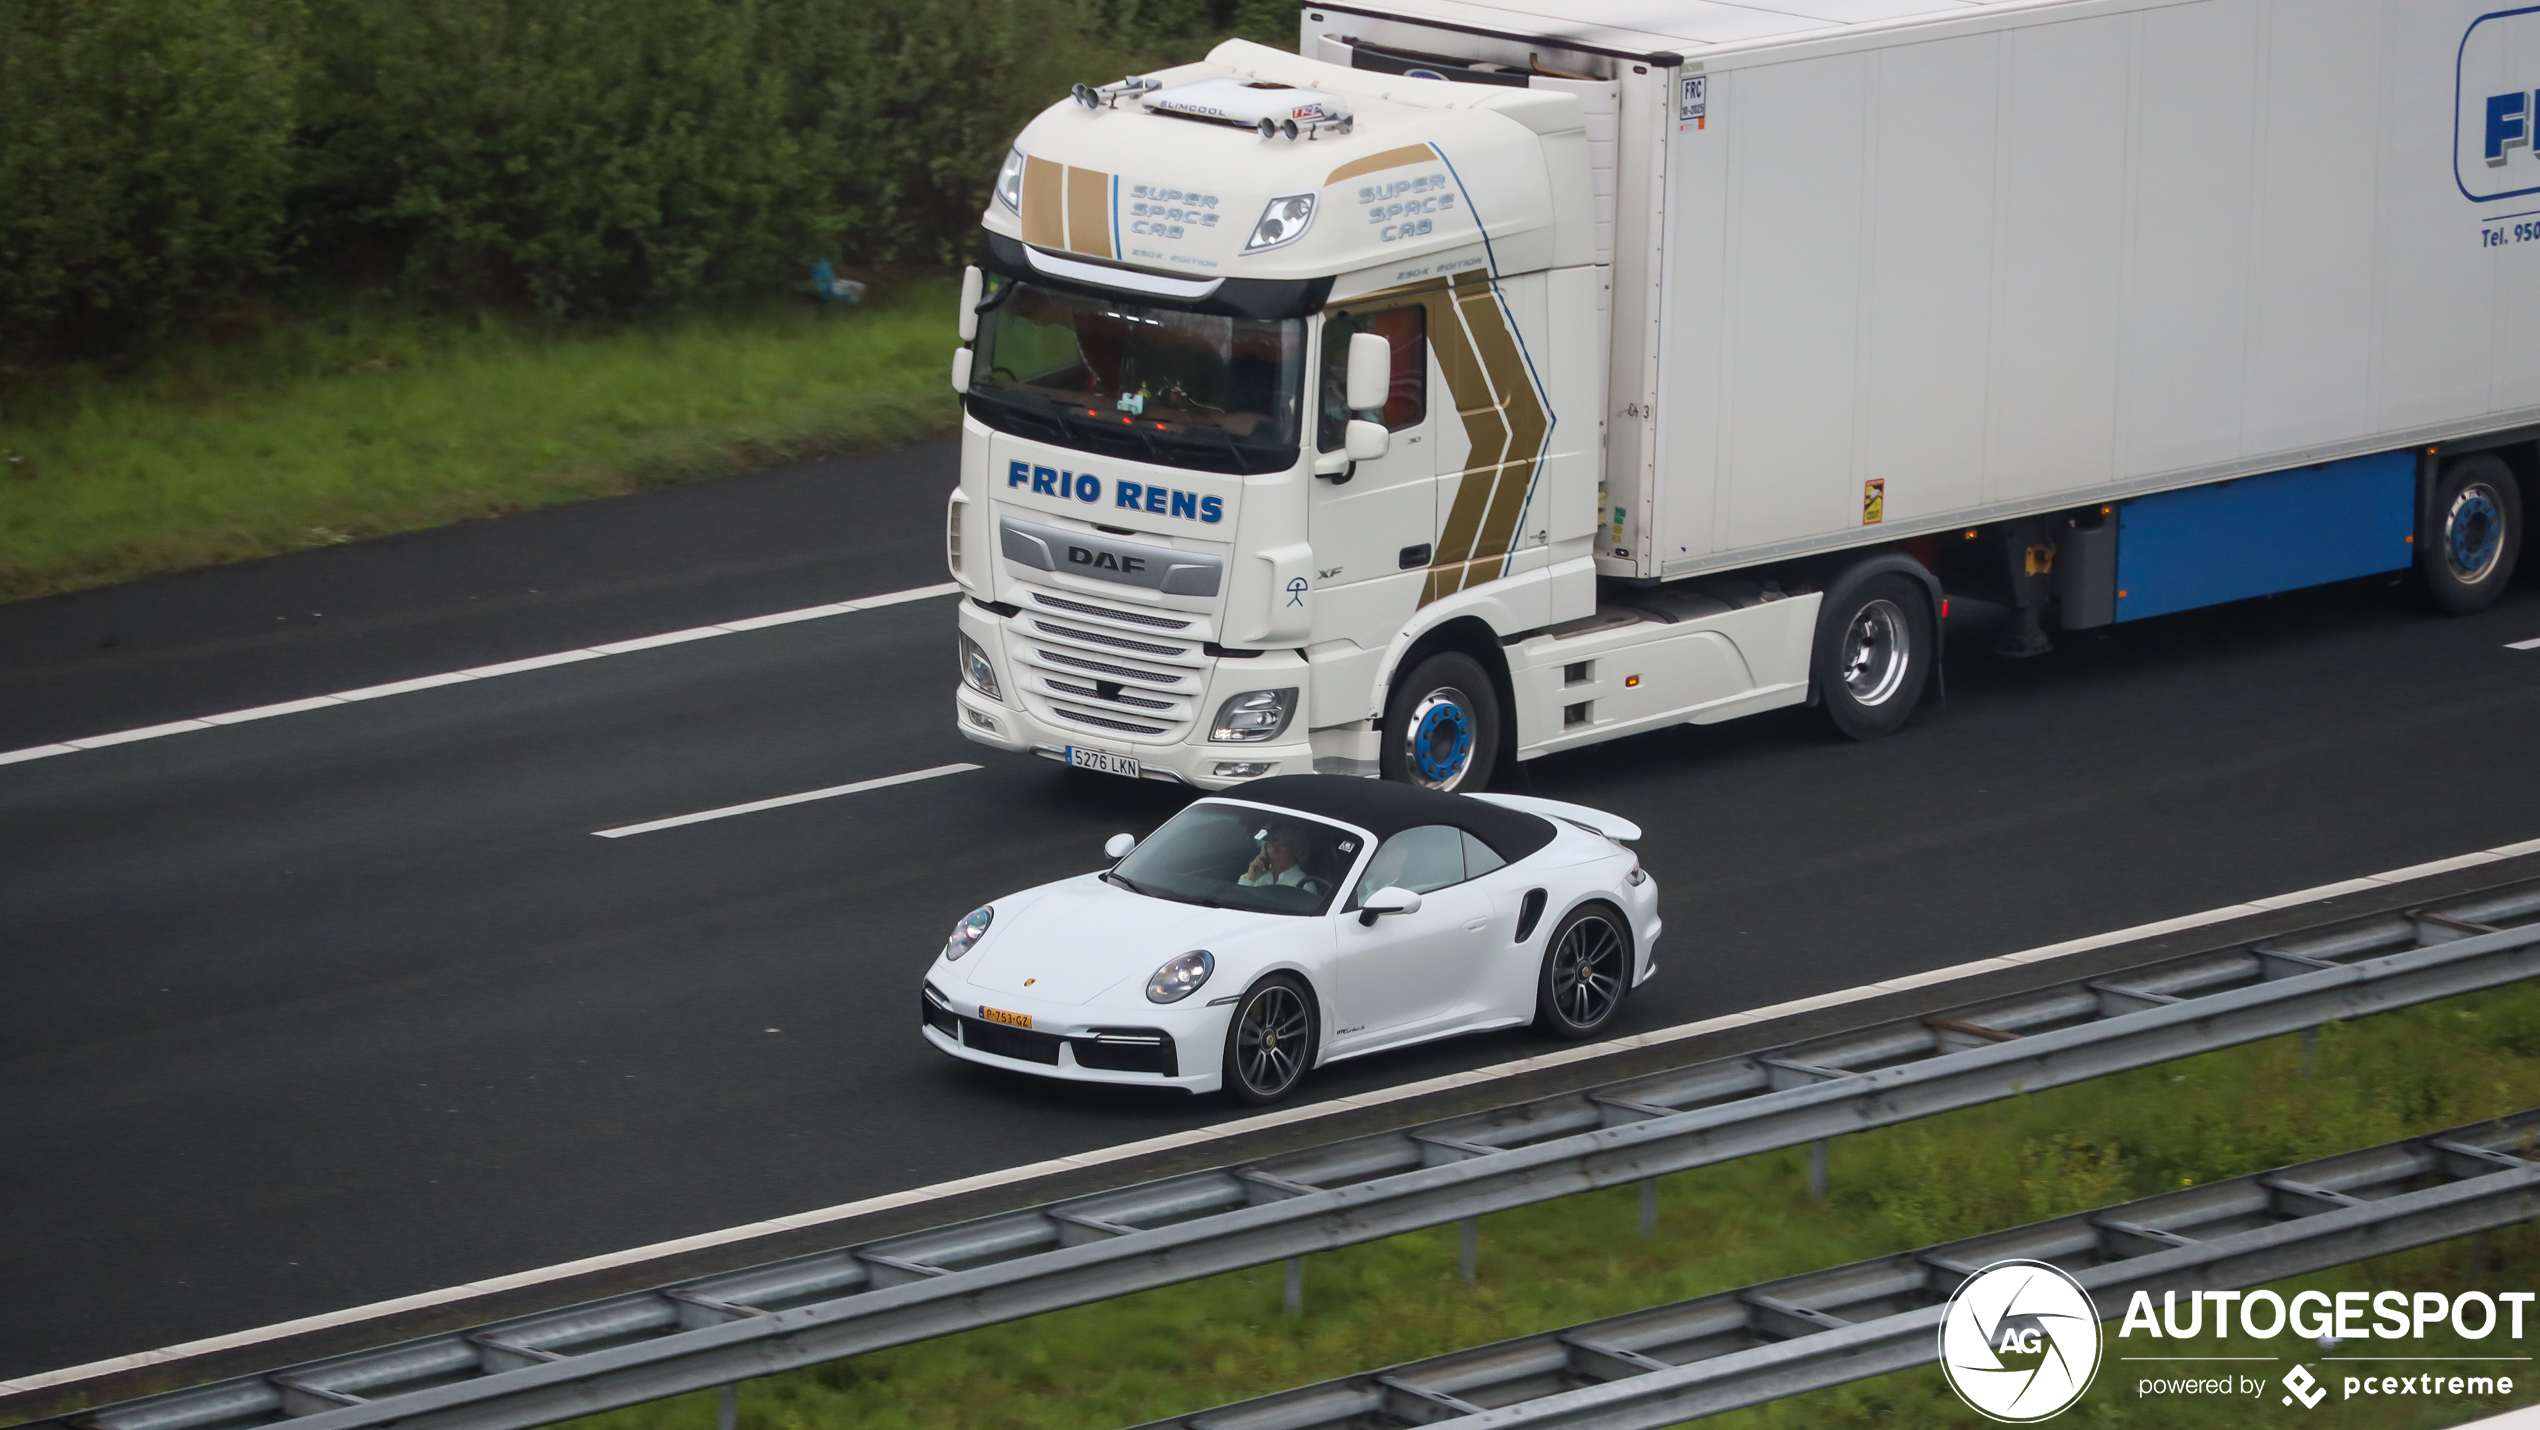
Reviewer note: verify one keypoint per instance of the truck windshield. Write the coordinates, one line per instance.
(1153, 384)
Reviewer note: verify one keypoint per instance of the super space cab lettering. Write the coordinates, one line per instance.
(1136, 496)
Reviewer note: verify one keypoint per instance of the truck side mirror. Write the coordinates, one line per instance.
(1119, 845)
(1363, 440)
(1370, 371)
(1387, 900)
(972, 281)
(961, 369)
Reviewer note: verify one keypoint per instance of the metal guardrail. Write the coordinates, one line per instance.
(713, 1330)
(1736, 1348)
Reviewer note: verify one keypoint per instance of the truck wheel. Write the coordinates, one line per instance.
(2474, 533)
(1442, 725)
(1587, 968)
(1875, 647)
(1270, 1040)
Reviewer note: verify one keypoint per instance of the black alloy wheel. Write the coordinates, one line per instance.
(1587, 968)
(1270, 1040)
(2473, 534)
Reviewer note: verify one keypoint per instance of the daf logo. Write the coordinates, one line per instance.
(1121, 562)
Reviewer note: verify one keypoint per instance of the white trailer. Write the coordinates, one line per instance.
(1483, 382)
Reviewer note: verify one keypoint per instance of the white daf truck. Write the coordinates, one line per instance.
(1483, 382)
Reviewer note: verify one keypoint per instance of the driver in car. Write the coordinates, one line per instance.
(1281, 860)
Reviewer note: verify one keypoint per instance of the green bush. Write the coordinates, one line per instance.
(567, 157)
(145, 155)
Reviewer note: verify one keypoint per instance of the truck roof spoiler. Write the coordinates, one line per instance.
(1595, 821)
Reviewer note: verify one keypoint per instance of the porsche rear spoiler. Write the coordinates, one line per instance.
(1596, 821)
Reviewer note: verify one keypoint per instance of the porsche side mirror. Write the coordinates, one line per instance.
(1387, 900)
(1119, 845)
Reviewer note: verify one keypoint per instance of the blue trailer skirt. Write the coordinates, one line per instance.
(2278, 532)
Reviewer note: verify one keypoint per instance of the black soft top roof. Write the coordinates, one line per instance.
(1384, 809)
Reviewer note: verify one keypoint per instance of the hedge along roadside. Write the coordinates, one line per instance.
(573, 156)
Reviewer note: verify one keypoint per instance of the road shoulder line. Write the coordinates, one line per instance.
(481, 672)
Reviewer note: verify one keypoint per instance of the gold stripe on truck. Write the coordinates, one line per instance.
(1389, 159)
(1504, 418)
(1089, 212)
(1044, 212)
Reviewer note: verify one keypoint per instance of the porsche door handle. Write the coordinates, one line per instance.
(1476, 925)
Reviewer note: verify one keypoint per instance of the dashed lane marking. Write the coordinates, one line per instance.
(635, 1256)
(482, 672)
(780, 801)
(2531, 644)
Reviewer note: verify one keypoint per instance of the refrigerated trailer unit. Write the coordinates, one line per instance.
(1480, 383)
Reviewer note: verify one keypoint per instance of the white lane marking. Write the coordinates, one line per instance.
(424, 1300)
(482, 672)
(782, 800)
(2531, 644)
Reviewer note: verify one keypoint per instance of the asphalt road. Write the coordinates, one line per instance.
(319, 1010)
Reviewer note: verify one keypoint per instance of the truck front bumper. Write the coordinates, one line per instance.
(1013, 720)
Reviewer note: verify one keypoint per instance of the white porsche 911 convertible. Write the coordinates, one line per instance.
(1295, 921)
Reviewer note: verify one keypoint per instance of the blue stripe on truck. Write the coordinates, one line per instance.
(2278, 532)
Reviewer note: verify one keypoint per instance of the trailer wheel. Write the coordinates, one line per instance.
(2474, 533)
(1442, 725)
(1875, 649)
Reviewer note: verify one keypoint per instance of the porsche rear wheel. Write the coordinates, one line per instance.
(1270, 1040)
(1587, 967)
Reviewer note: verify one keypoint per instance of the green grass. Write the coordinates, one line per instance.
(369, 420)
(1189, 1347)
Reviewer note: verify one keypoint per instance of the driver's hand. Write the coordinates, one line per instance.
(1259, 866)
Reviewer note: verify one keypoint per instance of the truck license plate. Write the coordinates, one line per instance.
(1102, 760)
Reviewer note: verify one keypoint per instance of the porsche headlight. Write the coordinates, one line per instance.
(1182, 977)
(970, 930)
(1284, 221)
(1010, 180)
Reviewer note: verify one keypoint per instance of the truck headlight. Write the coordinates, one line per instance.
(966, 934)
(1254, 716)
(977, 671)
(1284, 221)
(1010, 180)
(1182, 977)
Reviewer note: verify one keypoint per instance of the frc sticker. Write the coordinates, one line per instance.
(2496, 106)
(1693, 100)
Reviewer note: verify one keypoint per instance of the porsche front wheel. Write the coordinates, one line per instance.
(1587, 967)
(1270, 1040)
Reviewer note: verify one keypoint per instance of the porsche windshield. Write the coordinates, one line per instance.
(1149, 383)
(1236, 857)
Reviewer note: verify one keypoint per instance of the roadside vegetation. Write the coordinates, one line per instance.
(365, 420)
(275, 272)
(1186, 1348)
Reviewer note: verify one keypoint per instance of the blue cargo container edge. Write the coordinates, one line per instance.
(2278, 532)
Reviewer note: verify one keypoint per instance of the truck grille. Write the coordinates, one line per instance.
(1107, 669)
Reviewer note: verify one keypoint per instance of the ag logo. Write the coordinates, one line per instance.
(2019, 1341)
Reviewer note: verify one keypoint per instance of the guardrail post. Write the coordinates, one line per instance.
(1649, 1206)
(1294, 1301)
(1817, 1170)
(728, 1413)
(1468, 1258)
(2310, 1049)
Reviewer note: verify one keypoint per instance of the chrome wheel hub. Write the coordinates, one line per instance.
(1438, 738)
(1876, 651)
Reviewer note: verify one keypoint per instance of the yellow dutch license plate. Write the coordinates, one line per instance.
(1011, 1020)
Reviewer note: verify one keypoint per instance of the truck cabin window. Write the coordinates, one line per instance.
(1140, 381)
(1406, 330)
